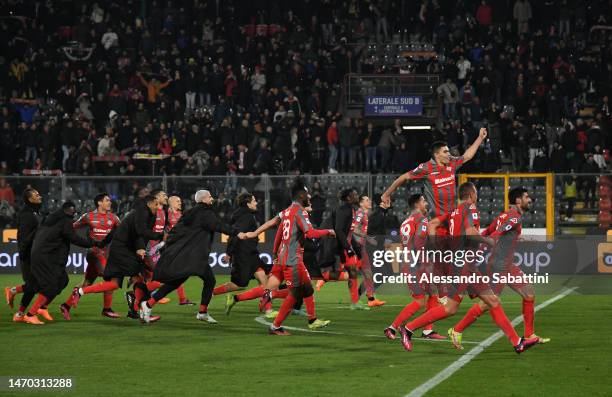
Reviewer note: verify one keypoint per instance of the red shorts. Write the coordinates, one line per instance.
(351, 261)
(294, 276)
(473, 289)
(95, 266)
(514, 271)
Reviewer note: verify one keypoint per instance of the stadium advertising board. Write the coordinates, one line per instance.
(393, 106)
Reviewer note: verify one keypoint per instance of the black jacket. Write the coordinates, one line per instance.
(188, 244)
(28, 219)
(342, 227)
(243, 220)
(126, 240)
(50, 251)
(141, 222)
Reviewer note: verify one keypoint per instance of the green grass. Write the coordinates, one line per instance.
(180, 356)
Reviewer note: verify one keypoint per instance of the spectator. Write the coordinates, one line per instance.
(449, 93)
(522, 15)
(153, 87)
(6, 192)
(370, 141)
(332, 142)
(484, 14)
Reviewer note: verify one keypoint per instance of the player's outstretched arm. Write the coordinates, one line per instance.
(386, 196)
(472, 150)
(268, 225)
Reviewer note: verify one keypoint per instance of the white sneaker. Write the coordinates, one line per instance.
(206, 317)
(145, 312)
(332, 171)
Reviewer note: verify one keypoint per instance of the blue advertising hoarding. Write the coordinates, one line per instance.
(393, 106)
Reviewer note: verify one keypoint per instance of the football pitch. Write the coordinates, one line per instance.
(179, 356)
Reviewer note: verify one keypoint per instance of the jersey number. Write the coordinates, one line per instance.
(286, 227)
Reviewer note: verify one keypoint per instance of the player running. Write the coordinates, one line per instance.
(413, 232)
(245, 257)
(505, 230)
(187, 249)
(99, 223)
(126, 253)
(360, 232)
(28, 220)
(289, 265)
(464, 223)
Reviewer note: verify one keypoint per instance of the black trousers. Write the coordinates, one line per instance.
(28, 289)
(208, 279)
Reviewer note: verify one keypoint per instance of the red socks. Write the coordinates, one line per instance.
(180, 291)
(280, 293)
(220, 290)
(108, 299)
(18, 289)
(353, 285)
(500, 318)
(406, 313)
(138, 295)
(310, 307)
(528, 317)
(101, 287)
(40, 301)
(432, 302)
(203, 308)
(253, 293)
(284, 310)
(471, 316)
(153, 285)
(430, 316)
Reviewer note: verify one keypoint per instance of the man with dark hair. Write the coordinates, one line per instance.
(439, 176)
(289, 264)
(100, 223)
(126, 253)
(346, 248)
(28, 219)
(464, 224)
(188, 244)
(243, 254)
(50, 251)
(505, 230)
(413, 233)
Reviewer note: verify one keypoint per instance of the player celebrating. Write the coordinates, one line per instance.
(188, 242)
(99, 223)
(413, 232)
(506, 230)
(288, 249)
(50, 251)
(360, 233)
(244, 255)
(27, 221)
(464, 222)
(126, 253)
(439, 176)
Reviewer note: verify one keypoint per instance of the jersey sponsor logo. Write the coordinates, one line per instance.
(438, 181)
(96, 230)
(474, 215)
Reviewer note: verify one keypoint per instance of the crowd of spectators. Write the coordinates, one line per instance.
(249, 87)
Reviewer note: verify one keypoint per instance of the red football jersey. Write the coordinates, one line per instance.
(360, 224)
(413, 231)
(506, 230)
(99, 226)
(439, 183)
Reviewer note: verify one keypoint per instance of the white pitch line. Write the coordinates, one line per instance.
(262, 320)
(467, 357)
